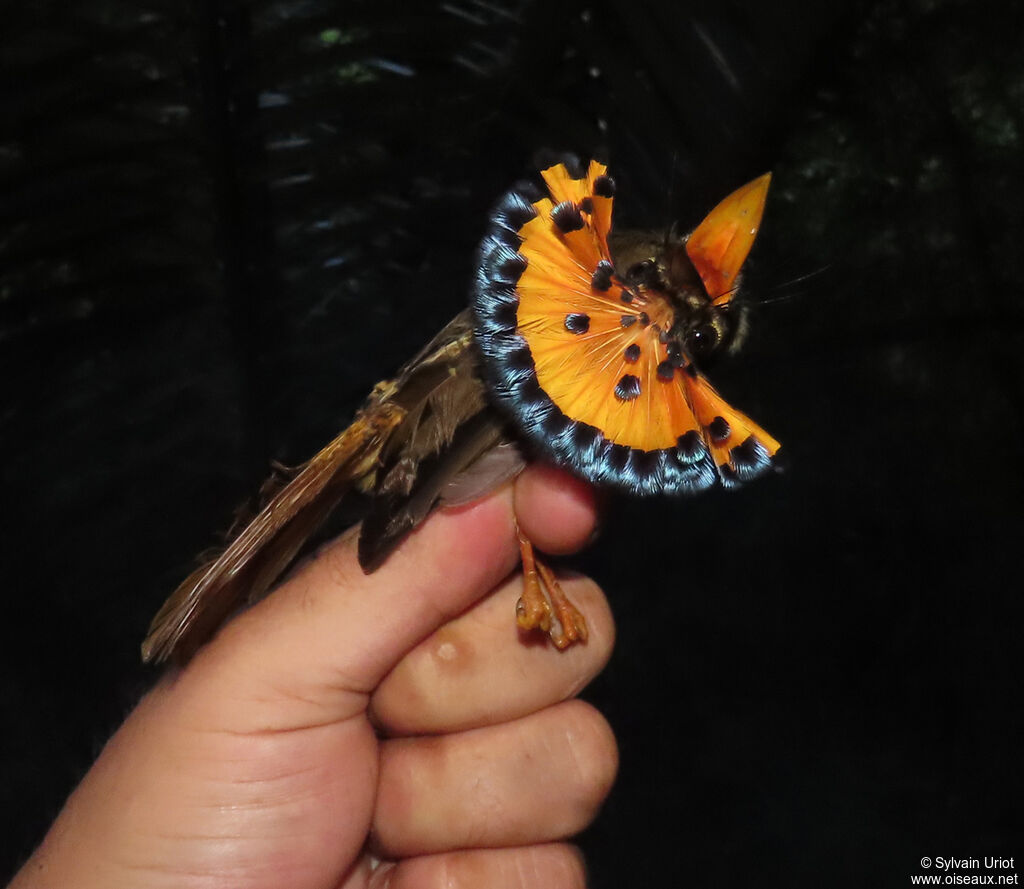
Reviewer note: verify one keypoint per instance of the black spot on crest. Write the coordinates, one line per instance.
(577, 322)
(691, 446)
(628, 388)
(666, 371)
(587, 205)
(626, 296)
(750, 459)
(567, 217)
(604, 186)
(602, 277)
(632, 353)
(719, 430)
(627, 320)
(645, 319)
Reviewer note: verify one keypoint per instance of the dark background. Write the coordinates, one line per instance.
(222, 221)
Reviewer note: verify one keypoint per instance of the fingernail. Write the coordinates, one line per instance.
(380, 878)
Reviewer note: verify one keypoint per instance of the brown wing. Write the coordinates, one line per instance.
(448, 428)
(419, 480)
(415, 435)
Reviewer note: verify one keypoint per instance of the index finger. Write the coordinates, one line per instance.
(313, 650)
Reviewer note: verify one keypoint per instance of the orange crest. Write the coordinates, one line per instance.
(719, 246)
(595, 362)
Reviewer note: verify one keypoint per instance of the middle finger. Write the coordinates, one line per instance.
(537, 779)
(480, 669)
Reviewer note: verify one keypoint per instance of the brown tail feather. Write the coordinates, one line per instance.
(258, 556)
(417, 433)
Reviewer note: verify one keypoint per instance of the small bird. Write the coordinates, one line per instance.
(581, 345)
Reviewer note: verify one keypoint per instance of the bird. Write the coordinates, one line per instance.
(581, 345)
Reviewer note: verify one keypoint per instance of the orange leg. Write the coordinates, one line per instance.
(544, 605)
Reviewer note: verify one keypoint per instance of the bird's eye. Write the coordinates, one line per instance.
(702, 340)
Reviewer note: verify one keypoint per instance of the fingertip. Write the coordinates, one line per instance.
(555, 510)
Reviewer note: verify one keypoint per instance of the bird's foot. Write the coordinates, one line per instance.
(544, 605)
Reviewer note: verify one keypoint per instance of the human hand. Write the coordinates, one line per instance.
(349, 718)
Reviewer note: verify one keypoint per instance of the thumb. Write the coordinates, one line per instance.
(312, 652)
